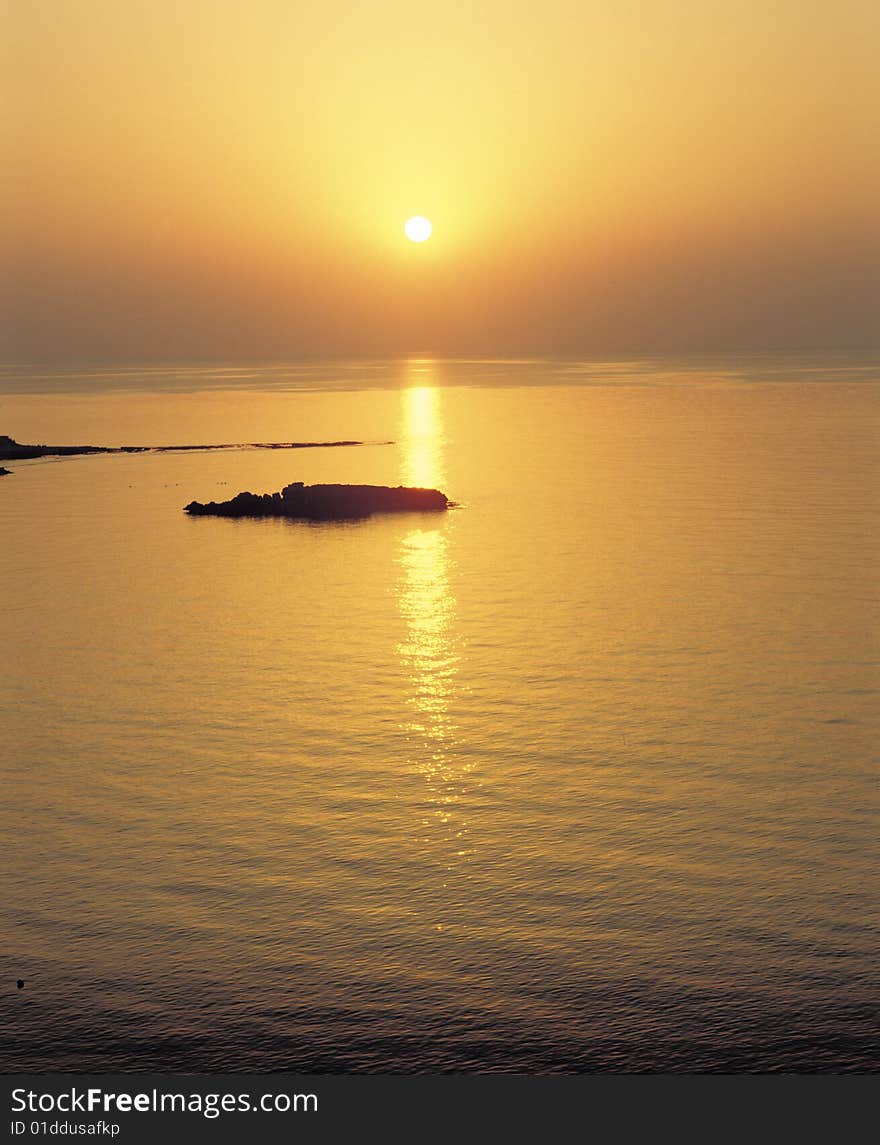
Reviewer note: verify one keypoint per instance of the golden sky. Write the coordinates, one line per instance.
(214, 178)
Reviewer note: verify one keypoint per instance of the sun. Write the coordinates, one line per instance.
(417, 229)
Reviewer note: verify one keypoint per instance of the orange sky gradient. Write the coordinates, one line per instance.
(208, 179)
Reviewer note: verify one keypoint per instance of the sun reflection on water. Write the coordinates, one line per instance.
(423, 441)
(430, 650)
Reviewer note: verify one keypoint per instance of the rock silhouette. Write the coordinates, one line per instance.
(325, 502)
(4, 472)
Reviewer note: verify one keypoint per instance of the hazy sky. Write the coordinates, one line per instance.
(214, 178)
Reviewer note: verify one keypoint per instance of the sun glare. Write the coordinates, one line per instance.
(418, 229)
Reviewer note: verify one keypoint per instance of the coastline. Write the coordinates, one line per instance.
(11, 450)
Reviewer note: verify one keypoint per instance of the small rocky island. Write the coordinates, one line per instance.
(4, 472)
(325, 502)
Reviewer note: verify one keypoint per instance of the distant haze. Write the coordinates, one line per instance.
(206, 179)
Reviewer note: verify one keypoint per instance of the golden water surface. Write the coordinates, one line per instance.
(577, 776)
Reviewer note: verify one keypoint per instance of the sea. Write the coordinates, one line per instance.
(577, 777)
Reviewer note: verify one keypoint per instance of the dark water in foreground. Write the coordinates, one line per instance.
(581, 776)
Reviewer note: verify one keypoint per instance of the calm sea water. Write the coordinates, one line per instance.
(579, 776)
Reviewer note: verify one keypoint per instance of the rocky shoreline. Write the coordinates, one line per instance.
(11, 450)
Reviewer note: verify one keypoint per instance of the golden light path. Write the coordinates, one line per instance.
(430, 650)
